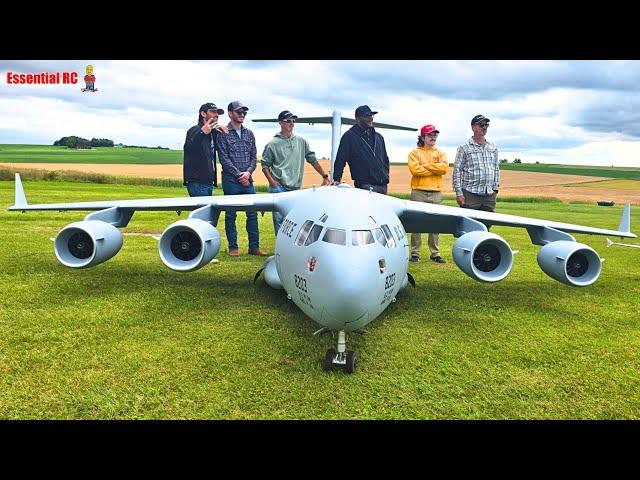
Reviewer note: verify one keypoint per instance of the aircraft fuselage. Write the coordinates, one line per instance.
(342, 263)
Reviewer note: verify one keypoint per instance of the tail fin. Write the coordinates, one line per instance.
(625, 220)
(20, 199)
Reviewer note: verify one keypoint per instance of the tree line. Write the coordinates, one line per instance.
(83, 143)
(79, 142)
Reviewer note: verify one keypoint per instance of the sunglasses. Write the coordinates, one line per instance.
(432, 135)
(240, 112)
(289, 120)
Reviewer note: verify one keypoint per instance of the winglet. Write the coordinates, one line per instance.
(625, 220)
(20, 200)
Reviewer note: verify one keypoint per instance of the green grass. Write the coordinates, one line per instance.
(589, 171)
(131, 339)
(49, 154)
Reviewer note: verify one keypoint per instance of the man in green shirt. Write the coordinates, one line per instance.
(283, 161)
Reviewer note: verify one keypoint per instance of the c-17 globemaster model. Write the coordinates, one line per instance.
(341, 254)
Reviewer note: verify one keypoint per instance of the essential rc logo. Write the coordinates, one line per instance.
(57, 78)
(42, 78)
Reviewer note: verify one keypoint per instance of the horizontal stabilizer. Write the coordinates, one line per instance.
(20, 199)
(345, 121)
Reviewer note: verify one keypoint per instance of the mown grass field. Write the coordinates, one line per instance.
(49, 154)
(131, 339)
(587, 170)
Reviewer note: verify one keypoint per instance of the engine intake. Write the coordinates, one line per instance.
(569, 262)
(483, 256)
(87, 243)
(187, 245)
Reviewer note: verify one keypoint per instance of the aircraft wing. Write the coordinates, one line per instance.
(419, 217)
(345, 121)
(267, 202)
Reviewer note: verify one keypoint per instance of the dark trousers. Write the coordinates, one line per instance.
(479, 202)
(230, 188)
(369, 186)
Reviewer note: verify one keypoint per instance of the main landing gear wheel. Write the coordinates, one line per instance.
(328, 359)
(350, 366)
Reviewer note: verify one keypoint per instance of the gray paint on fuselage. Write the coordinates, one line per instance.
(347, 288)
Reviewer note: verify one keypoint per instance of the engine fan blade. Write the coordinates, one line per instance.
(80, 245)
(186, 246)
(577, 265)
(486, 258)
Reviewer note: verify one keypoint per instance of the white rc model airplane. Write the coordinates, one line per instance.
(609, 243)
(341, 254)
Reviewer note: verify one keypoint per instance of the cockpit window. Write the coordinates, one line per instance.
(361, 237)
(302, 235)
(391, 243)
(379, 235)
(314, 235)
(324, 217)
(335, 235)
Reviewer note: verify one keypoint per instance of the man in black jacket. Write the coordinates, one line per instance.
(364, 150)
(200, 146)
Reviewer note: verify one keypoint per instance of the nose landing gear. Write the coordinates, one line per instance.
(341, 357)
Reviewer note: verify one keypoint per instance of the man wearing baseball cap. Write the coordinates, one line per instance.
(283, 161)
(199, 173)
(476, 171)
(428, 164)
(238, 156)
(364, 150)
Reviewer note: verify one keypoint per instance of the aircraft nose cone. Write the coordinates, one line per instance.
(349, 303)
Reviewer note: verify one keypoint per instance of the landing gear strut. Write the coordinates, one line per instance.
(341, 357)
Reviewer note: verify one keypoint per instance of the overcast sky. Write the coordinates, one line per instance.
(580, 112)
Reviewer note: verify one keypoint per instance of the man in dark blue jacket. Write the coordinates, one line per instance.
(200, 146)
(364, 150)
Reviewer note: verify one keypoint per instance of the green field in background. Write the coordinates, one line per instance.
(50, 154)
(589, 171)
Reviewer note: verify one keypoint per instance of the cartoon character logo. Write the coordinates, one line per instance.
(89, 80)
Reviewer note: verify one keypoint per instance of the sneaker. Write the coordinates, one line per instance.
(258, 252)
(233, 253)
(438, 259)
(414, 258)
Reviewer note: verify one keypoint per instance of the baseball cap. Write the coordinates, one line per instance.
(364, 110)
(286, 115)
(479, 119)
(428, 129)
(210, 106)
(236, 105)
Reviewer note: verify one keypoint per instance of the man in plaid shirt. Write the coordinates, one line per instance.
(476, 171)
(237, 152)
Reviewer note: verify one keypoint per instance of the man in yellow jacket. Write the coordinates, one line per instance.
(428, 165)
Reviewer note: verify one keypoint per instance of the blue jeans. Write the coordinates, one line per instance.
(199, 189)
(277, 217)
(231, 188)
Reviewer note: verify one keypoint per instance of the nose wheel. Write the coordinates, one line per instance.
(340, 357)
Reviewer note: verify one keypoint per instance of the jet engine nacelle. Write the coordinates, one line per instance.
(188, 245)
(569, 262)
(87, 243)
(483, 256)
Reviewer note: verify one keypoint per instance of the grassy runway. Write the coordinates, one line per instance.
(131, 339)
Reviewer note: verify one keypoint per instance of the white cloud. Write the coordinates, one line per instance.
(572, 112)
